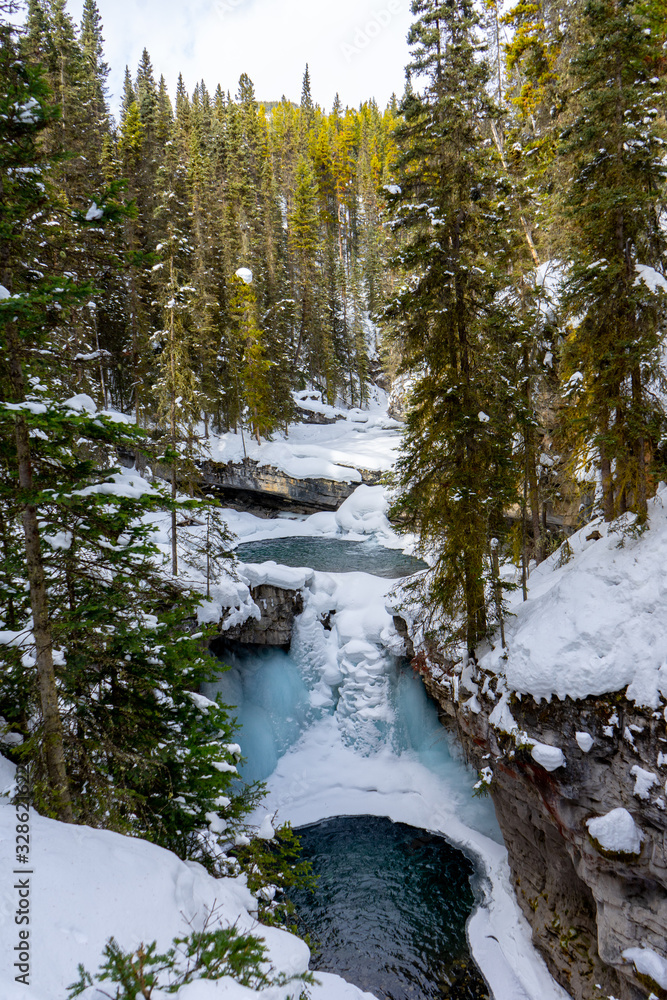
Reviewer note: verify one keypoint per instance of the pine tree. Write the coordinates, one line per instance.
(455, 473)
(610, 204)
(26, 113)
(254, 366)
(303, 243)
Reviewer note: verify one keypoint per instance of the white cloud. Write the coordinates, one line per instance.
(355, 47)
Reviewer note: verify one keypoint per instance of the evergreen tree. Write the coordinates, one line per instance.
(25, 114)
(611, 200)
(455, 473)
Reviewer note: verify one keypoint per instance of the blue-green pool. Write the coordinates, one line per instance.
(390, 910)
(332, 555)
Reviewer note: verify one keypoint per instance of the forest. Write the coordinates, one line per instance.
(492, 246)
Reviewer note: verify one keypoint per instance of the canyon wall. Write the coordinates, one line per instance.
(586, 905)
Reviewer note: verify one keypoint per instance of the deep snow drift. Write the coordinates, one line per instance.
(359, 439)
(595, 624)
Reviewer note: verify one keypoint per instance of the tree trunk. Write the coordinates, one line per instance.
(53, 742)
(641, 490)
(607, 485)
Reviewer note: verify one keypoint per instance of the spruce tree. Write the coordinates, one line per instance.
(611, 200)
(454, 476)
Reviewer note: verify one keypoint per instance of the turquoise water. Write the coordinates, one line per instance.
(390, 909)
(332, 555)
(270, 702)
(393, 901)
(270, 691)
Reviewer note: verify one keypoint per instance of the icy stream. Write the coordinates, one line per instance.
(333, 555)
(344, 686)
(341, 727)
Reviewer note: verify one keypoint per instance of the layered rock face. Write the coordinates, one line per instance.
(278, 607)
(586, 905)
(249, 485)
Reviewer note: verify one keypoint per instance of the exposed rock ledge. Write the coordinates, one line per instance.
(586, 906)
(248, 483)
(278, 607)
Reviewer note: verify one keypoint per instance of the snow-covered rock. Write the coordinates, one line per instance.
(365, 511)
(548, 757)
(616, 831)
(648, 963)
(585, 741)
(596, 624)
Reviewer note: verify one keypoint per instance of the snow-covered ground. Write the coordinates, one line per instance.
(359, 439)
(605, 610)
(88, 885)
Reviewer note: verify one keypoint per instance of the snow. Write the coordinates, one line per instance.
(266, 830)
(585, 741)
(653, 280)
(310, 401)
(365, 512)
(4, 293)
(120, 484)
(548, 757)
(289, 577)
(245, 274)
(648, 963)
(81, 403)
(644, 781)
(94, 213)
(94, 884)
(7, 777)
(336, 452)
(605, 608)
(617, 832)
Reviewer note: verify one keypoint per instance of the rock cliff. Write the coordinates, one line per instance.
(248, 484)
(586, 905)
(278, 607)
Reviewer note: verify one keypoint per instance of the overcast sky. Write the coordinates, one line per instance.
(355, 47)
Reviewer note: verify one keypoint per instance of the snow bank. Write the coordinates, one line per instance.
(92, 884)
(596, 624)
(288, 577)
(616, 831)
(367, 439)
(365, 511)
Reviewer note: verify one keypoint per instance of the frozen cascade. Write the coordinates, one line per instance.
(271, 704)
(344, 671)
